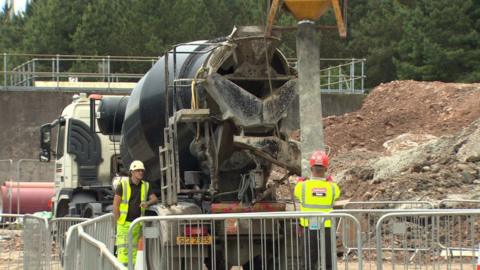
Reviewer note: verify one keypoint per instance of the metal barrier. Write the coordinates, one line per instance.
(28, 170)
(6, 173)
(340, 75)
(31, 242)
(36, 254)
(87, 72)
(368, 213)
(458, 203)
(11, 242)
(247, 240)
(427, 239)
(90, 245)
(368, 219)
(58, 231)
(389, 205)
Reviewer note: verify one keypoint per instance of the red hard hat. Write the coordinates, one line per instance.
(319, 158)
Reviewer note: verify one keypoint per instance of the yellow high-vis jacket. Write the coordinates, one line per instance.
(316, 195)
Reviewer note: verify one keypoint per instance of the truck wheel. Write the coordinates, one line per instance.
(155, 260)
(61, 209)
(92, 210)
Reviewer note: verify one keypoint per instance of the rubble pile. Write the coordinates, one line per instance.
(410, 141)
(399, 107)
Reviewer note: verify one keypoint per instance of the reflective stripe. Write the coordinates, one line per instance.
(147, 186)
(143, 195)
(124, 190)
(333, 194)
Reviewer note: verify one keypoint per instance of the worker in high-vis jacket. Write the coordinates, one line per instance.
(132, 197)
(316, 194)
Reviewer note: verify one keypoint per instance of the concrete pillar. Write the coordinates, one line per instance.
(308, 54)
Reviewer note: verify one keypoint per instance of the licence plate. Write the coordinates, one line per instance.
(194, 240)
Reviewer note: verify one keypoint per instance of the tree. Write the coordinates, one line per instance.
(439, 42)
(101, 29)
(375, 37)
(52, 23)
(11, 31)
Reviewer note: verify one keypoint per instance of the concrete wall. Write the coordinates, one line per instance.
(22, 114)
(338, 104)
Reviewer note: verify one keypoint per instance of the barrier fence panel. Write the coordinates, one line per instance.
(11, 242)
(58, 231)
(32, 170)
(368, 219)
(459, 204)
(36, 254)
(89, 245)
(33, 71)
(436, 239)
(368, 213)
(102, 229)
(244, 241)
(94, 255)
(6, 170)
(389, 205)
(72, 245)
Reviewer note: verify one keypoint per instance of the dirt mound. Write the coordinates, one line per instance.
(443, 168)
(410, 141)
(400, 107)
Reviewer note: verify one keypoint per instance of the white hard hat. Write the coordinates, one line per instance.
(137, 165)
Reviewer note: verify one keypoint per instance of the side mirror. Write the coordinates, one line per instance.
(45, 143)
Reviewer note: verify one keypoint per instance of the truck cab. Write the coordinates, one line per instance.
(85, 161)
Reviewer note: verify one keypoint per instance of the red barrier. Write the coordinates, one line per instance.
(29, 184)
(31, 199)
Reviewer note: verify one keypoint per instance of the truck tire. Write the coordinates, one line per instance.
(92, 210)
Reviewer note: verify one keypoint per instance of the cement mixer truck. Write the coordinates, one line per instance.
(221, 112)
(209, 120)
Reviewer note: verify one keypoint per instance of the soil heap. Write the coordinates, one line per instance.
(409, 141)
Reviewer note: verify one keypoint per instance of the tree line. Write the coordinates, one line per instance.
(401, 39)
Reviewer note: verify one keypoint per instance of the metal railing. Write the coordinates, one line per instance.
(247, 240)
(368, 218)
(37, 243)
(88, 72)
(32, 242)
(90, 244)
(58, 228)
(6, 167)
(402, 238)
(389, 205)
(27, 170)
(119, 73)
(340, 75)
(432, 239)
(459, 203)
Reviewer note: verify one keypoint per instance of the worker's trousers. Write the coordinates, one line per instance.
(313, 252)
(122, 241)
